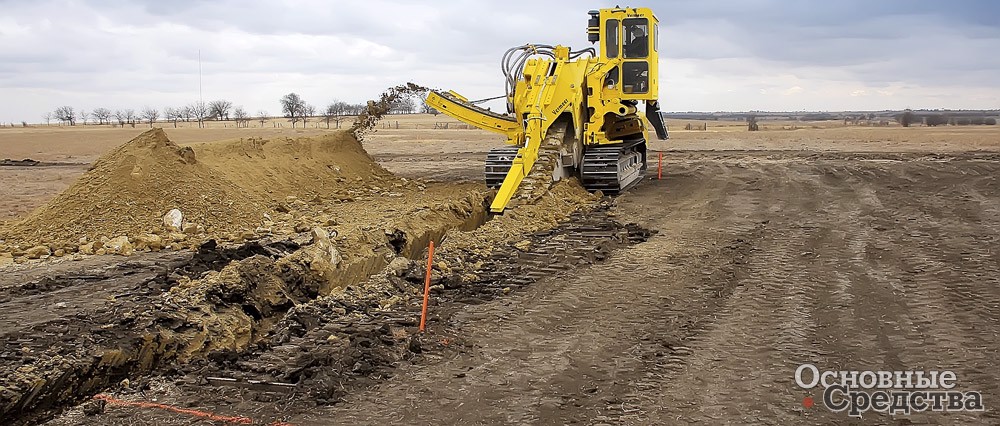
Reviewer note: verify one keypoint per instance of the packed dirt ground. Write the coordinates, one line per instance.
(762, 261)
(687, 299)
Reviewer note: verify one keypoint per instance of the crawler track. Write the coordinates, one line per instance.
(498, 162)
(614, 168)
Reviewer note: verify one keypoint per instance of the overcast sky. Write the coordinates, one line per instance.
(715, 55)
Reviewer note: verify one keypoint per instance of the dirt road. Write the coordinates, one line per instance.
(763, 261)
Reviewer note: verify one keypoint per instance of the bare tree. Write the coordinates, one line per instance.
(262, 117)
(329, 114)
(402, 106)
(395, 106)
(409, 106)
(307, 111)
(172, 115)
(65, 114)
(338, 108)
(150, 115)
(121, 117)
(185, 113)
(84, 115)
(241, 117)
(906, 118)
(199, 111)
(336, 112)
(48, 118)
(219, 109)
(130, 117)
(935, 119)
(102, 115)
(292, 107)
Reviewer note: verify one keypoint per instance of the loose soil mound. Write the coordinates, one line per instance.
(549, 207)
(130, 188)
(228, 188)
(326, 166)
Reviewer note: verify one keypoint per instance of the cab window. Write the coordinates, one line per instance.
(635, 77)
(636, 38)
(656, 38)
(611, 38)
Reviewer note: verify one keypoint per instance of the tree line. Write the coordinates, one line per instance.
(908, 118)
(293, 107)
(199, 112)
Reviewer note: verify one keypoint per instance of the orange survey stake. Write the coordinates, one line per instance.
(659, 168)
(427, 285)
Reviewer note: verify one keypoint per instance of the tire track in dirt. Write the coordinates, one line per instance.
(948, 276)
(856, 320)
(763, 262)
(755, 335)
(566, 348)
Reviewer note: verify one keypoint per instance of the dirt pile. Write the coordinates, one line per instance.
(128, 190)
(271, 304)
(230, 191)
(330, 166)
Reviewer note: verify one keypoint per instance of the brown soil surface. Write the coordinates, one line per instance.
(229, 189)
(740, 266)
(250, 304)
(127, 192)
(156, 310)
(24, 189)
(84, 144)
(419, 145)
(763, 261)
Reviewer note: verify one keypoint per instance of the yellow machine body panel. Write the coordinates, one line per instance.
(595, 94)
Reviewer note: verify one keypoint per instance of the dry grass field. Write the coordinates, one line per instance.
(830, 136)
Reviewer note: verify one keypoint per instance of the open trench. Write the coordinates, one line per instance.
(321, 350)
(161, 311)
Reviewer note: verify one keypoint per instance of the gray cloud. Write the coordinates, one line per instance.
(716, 55)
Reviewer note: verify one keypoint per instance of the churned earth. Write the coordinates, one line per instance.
(762, 261)
(691, 299)
(744, 266)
